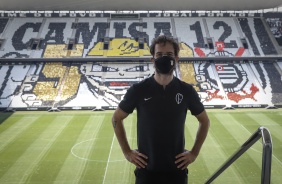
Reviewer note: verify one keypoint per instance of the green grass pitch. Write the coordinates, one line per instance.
(80, 147)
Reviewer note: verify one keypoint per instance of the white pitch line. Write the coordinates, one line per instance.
(109, 159)
(86, 159)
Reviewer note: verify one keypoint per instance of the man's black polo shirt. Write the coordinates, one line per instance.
(161, 115)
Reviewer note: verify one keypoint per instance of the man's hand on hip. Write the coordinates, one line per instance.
(137, 158)
(184, 159)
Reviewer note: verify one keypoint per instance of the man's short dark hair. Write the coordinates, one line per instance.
(163, 40)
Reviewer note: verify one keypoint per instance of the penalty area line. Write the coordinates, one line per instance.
(109, 159)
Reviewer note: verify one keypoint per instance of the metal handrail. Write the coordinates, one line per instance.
(266, 155)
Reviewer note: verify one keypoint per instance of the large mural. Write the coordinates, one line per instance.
(230, 84)
(103, 37)
(90, 85)
(103, 84)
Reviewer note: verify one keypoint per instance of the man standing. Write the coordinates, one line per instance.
(161, 101)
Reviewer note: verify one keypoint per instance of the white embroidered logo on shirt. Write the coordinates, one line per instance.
(147, 98)
(178, 98)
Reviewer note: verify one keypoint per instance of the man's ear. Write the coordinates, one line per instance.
(152, 59)
(176, 59)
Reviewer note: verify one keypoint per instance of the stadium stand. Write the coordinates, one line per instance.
(81, 85)
(265, 42)
(12, 77)
(3, 23)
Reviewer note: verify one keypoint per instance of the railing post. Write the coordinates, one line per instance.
(266, 156)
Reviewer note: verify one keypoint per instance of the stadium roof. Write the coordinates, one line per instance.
(137, 5)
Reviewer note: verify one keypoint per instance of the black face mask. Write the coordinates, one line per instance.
(164, 64)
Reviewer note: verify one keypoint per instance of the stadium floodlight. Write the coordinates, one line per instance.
(79, 12)
(127, 11)
(155, 11)
(110, 11)
(96, 11)
(171, 11)
(141, 11)
(187, 11)
(252, 11)
(270, 10)
(24, 12)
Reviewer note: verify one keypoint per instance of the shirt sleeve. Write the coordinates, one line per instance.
(128, 103)
(194, 103)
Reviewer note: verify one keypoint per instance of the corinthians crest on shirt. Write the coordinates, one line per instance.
(178, 98)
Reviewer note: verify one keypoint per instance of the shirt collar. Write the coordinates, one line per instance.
(155, 83)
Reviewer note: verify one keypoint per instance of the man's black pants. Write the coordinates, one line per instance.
(145, 177)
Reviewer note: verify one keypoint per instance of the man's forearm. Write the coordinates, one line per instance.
(121, 135)
(200, 137)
